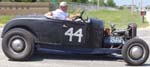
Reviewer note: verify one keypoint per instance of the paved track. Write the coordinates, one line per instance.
(49, 60)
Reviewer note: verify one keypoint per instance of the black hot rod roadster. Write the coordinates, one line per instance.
(22, 35)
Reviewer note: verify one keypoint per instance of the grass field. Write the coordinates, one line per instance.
(4, 19)
(121, 18)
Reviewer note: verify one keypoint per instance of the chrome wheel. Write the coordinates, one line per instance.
(136, 52)
(18, 45)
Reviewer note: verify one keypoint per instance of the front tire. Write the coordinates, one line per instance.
(135, 51)
(18, 44)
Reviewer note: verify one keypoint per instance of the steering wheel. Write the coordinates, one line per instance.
(81, 14)
(80, 17)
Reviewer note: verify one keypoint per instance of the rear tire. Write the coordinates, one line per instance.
(18, 44)
(135, 51)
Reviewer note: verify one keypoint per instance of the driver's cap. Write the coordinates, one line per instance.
(63, 4)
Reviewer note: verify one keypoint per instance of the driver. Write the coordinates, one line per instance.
(61, 13)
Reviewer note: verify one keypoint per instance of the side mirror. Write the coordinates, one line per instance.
(112, 25)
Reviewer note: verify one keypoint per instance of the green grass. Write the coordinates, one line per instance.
(121, 18)
(4, 19)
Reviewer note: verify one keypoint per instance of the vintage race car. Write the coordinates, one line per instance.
(22, 35)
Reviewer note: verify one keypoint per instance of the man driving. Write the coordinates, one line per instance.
(61, 13)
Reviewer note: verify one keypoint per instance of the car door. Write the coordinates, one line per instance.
(51, 32)
(74, 34)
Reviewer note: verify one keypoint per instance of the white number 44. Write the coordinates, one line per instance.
(78, 34)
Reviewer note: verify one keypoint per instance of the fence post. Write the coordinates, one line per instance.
(54, 3)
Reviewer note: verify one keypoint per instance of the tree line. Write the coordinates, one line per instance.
(110, 3)
(21, 0)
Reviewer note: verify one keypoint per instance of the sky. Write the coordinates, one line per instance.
(129, 2)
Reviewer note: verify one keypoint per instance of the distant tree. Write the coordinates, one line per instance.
(101, 2)
(11, 0)
(22, 0)
(111, 3)
(26, 0)
(43, 0)
(17, 0)
(33, 0)
(80, 1)
(121, 7)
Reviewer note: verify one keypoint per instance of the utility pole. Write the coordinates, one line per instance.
(141, 5)
(143, 12)
(98, 4)
(49, 5)
(132, 6)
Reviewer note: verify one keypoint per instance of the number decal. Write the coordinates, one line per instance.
(69, 32)
(78, 34)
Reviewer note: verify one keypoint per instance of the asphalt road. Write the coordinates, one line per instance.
(41, 59)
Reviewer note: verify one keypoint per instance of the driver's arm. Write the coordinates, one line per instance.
(71, 17)
(49, 14)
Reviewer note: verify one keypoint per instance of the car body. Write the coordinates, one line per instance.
(22, 35)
